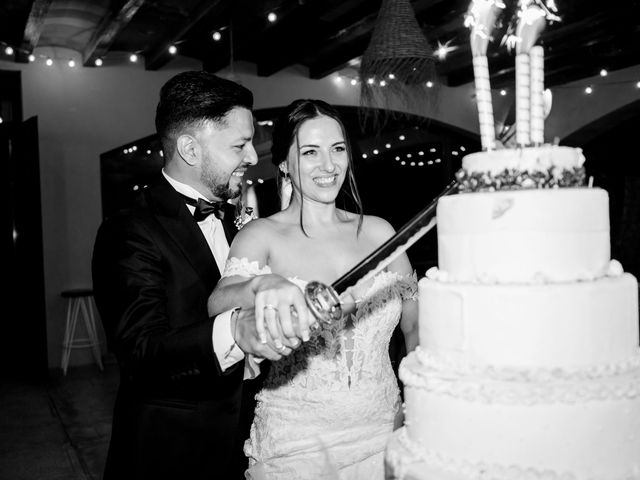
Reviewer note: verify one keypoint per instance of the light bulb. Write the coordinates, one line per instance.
(71, 63)
(272, 17)
(8, 50)
(32, 58)
(49, 62)
(216, 36)
(98, 62)
(133, 58)
(173, 49)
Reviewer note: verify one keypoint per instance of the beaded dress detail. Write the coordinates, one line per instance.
(327, 410)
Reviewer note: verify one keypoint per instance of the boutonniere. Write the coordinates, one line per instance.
(244, 216)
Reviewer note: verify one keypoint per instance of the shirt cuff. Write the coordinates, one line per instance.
(227, 350)
(224, 346)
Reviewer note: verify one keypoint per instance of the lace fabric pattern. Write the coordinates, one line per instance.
(327, 410)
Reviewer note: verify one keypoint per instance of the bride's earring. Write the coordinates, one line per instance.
(286, 188)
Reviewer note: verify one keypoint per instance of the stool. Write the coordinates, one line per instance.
(80, 300)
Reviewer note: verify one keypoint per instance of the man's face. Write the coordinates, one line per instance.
(227, 152)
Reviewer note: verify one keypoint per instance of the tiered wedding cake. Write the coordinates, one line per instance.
(528, 365)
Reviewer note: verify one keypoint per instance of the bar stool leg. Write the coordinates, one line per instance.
(90, 324)
(65, 342)
(74, 308)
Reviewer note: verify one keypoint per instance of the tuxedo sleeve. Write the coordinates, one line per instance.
(153, 308)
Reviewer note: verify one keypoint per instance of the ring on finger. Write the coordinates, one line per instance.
(282, 348)
(270, 306)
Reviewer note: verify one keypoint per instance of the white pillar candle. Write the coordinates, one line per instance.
(536, 57)
(484, 101)
(523, 107)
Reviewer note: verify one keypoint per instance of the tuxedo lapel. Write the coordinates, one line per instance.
(172, 213)
(228, 222)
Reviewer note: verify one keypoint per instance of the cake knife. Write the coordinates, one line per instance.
(324, 300)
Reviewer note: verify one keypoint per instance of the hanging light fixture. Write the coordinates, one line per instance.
(399, 52)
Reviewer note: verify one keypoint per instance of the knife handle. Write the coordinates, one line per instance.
(324, 302)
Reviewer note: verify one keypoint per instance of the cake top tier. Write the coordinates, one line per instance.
(546, 166)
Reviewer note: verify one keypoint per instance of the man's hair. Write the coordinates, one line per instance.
(189, 99)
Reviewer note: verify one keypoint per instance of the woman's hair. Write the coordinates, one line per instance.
(285, 133)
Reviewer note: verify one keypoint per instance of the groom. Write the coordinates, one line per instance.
(180, 412)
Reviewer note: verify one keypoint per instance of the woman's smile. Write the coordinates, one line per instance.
(326, 180)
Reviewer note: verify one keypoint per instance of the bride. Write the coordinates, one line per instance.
(326, 410)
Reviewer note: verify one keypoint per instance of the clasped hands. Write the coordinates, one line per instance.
(279, 322)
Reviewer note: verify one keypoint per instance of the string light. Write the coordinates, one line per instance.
(32, 58)
(216, 36)
(272, 17)
(49, 62)
(8, 50)
(98, 62)
(71, 63)
(133, 58)
(173, 49)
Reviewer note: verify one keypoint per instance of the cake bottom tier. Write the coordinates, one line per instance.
(474, 421)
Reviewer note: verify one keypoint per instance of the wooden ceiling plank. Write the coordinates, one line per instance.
(33, 28)
(113, 23)
(159, 56)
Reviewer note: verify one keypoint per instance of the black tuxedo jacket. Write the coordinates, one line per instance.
(177, 415)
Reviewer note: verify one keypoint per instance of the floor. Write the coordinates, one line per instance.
(58, 431)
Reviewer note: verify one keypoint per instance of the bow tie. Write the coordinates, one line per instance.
(205, 208)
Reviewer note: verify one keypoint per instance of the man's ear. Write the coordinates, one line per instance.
(188, 149)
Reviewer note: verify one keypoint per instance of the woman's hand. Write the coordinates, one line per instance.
(281, 311)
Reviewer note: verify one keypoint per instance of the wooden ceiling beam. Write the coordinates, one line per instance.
(112, 24)
(33, 29)
(159, 55)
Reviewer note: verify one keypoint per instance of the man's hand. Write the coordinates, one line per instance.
(245, 334)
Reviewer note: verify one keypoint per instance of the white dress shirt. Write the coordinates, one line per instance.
(224, 345)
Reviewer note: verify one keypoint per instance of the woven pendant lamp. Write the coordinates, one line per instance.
(398, 61)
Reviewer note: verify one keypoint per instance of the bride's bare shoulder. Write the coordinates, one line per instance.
(377, 228)
(264, 227)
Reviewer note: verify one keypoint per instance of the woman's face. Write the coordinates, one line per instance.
(323, 163)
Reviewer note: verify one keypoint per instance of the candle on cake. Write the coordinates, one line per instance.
(531, 19)
(481, 18)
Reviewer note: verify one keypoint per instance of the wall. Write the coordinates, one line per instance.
(83, 112)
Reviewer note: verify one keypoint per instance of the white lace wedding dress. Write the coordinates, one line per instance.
(326, 411)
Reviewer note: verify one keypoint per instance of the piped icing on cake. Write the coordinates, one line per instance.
(547, 166)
